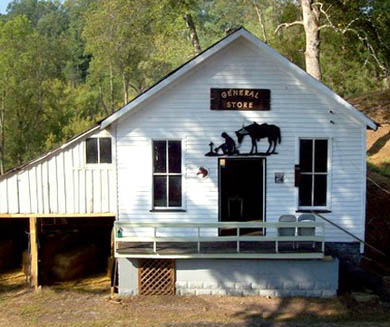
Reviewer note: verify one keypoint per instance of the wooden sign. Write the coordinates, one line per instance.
(240, 99)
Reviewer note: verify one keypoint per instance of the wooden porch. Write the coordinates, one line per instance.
(260, 240)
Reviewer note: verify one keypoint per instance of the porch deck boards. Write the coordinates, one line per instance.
(180, 248)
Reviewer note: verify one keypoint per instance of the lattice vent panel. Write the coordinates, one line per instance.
(156, 277)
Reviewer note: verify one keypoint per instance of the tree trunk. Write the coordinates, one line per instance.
(386, 82)
(311, 24)
(2, 134)
(106, 112)
(193, 34)
(20, 139)
(111, 89)
(260, 19)
(125, 89)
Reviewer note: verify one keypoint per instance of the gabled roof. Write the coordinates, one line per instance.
(241, 32)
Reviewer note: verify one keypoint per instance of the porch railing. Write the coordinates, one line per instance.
(296, 246)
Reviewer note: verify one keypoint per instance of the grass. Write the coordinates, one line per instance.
(382, 168)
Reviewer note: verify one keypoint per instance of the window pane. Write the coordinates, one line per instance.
(306, 155)
(160, 156)
(175, 191)
(174, 156)
(159, 191)
(105, 150)
(305, 190)
(91, 150)
(321, 156)
(320, 190)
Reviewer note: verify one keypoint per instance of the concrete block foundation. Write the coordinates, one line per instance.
(285, 278)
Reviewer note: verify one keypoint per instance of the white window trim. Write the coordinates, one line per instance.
(329, 173)
(182, 174)
(98, 164)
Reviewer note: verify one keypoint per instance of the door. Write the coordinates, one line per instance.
(241, 190)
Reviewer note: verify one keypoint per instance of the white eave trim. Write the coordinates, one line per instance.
(220, 45)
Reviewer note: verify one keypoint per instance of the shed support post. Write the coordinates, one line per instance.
(33, 253)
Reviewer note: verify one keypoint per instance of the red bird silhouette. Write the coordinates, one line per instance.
(202, 171)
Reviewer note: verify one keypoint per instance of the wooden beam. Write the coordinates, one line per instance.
(33, 253)
(58, 215)
(112, 267)
(258, 255)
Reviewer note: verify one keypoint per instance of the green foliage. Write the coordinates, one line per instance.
(66, 64)
(123, 60)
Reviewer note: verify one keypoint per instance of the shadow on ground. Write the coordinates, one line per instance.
(378, 145)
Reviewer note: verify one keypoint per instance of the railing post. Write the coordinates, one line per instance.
(323, 239)
(154, 241)
(238, 239)
(198, 240)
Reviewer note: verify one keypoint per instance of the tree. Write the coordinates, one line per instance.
(361, 22)
(364, 24)
(193, 34)
(34, 10)
(311, 23)
(28, 79)
(21, 89)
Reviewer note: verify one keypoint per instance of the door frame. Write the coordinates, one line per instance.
(264, 159)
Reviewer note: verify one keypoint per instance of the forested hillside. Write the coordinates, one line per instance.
(66, 64)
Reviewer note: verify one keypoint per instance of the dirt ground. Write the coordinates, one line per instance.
(375, 105)
(378, 148)
(87, 302)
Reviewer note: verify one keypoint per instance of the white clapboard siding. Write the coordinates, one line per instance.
(61, 183)
(182, 111)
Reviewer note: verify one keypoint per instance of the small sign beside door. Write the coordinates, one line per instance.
(240, 99)
(279, 178)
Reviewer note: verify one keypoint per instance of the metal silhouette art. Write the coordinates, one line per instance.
(256, 132)
(228, 147)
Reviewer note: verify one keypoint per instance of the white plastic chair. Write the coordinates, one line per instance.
(307, 231)
(287, 231)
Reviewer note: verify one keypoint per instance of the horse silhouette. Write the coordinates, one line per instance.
(257, 132)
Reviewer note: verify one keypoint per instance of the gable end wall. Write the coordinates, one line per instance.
(182, 111)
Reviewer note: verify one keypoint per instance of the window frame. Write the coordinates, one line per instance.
(328, 173)
(167, 174)
(98, 151)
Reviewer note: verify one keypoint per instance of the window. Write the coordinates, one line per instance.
(98, 150)
(167, 175)
(313, 161)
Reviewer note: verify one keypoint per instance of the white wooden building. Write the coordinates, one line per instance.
(151, 164)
